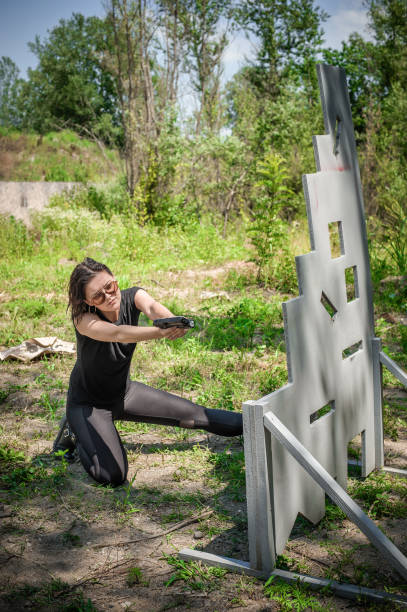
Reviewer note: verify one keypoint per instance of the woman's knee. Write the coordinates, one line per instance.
(112, 474)
(112, 477)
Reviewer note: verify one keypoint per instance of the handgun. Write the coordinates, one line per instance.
(183, 322)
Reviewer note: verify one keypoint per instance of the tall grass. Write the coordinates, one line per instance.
(36, 264)
(56, 156)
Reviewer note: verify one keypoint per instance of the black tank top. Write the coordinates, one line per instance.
(101, 372)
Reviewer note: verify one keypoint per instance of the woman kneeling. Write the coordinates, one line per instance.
(100, 390)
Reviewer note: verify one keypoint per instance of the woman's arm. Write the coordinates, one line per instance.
(90, 325)
(154, 310)
(149, 306)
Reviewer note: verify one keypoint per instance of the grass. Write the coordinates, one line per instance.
(21, 477)
(135, 577)
(51, 595)
(194, 575)
(381, 495)
(292, 597)
(235, 353)
(58, 156)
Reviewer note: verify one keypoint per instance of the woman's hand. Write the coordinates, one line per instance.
(155, 310)
(172, 333)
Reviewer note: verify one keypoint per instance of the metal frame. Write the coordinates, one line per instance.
(348, 591)
(291, 457)
(336, 493)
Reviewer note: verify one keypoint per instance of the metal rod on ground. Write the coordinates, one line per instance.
(336, 493)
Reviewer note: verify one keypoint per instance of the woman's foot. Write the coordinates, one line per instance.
(65, 441)
(224, 422)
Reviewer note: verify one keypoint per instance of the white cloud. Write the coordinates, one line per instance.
(346, 21)
(236, 54)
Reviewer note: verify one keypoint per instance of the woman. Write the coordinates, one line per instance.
(100, 390)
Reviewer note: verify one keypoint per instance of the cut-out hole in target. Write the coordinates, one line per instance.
(351, 350)
(336, 239)
(355, 453)
(351, 281)
(327, 304)
(338, 130)
(322, 412)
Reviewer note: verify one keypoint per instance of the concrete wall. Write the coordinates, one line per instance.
(20, 199)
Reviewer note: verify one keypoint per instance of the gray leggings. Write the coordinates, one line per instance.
(100, 449)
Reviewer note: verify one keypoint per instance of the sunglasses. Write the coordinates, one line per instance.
(109, 289)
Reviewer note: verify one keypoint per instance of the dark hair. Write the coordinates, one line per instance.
(81, 275)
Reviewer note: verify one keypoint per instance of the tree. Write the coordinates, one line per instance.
(356, 58)
(268, 231)
(384, 159)
(290, 36)
(171, 48)
(129, 62)
(10, 86)
(388, 22)
(69, 86)
(205, 43)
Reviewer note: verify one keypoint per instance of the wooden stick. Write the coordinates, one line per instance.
(188, 521)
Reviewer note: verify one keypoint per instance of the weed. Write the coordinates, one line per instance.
(79, 604)
(135, 576)
(191, 376)
(49, 382)
(238, 282)
(345, 564)
(272, 379)
(54, 593)
(381, 494)
(12, 333)
(15, 239)
(268, 231)
(333, 518)
(291, 596)
(246, 585)
(125, 504)
(197, 577)
(238, 324)
(289, 563)
(4, 393)
(237, 601)
(127, 427)
(392, 423)
(51, 405)
(23, 477)
(354, 452)
(230, 467)
(10, 456)
(71, 539)
(395, 236)
(173, 517)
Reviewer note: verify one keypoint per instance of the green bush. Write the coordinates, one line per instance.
(239, 324)
(15, 239)
(57, 172)
(269, 232)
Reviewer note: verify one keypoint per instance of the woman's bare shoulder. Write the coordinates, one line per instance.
(85, 321)
(141, 297)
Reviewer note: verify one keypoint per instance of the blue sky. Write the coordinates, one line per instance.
(22, 20)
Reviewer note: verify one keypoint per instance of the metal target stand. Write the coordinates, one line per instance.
(295, 439)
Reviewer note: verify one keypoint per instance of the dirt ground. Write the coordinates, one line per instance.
(35, 547)
(68, 540)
